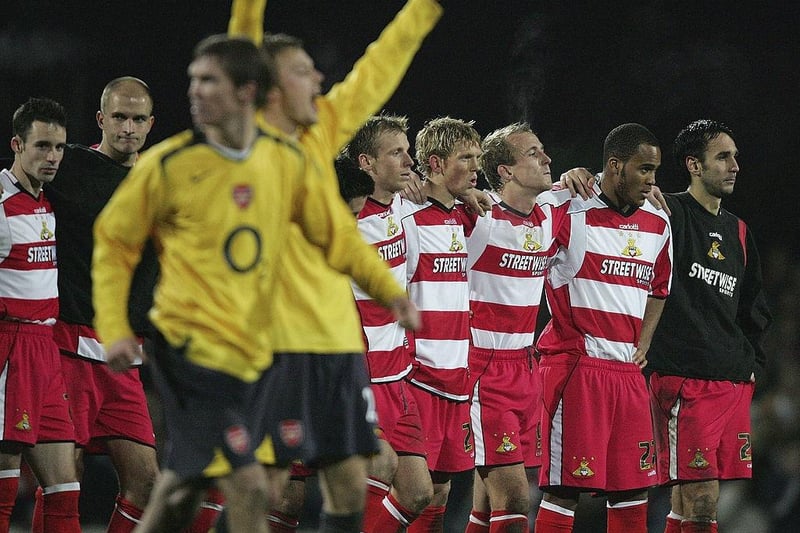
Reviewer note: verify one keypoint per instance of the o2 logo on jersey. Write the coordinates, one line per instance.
(242, 249)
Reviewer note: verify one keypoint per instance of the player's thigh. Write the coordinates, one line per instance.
(134, 462)
(343, 485)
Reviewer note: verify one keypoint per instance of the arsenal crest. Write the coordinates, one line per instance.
(242, 195)
(238, 439)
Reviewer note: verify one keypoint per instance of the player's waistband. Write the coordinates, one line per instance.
(13, 326)
(588, 361)
(81, 341)
(491, 353)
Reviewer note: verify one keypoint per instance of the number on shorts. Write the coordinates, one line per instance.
(647, 460)
(467, 436)
(746, 451)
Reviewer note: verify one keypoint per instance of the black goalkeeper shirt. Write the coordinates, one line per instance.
(85, 181)
(716, 314)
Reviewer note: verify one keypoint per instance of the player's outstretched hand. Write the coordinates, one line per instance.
(405, 312)
(579, 181)
(477, 201)
(656, 198)
(415, 190)
(640, 358)
(123, 353)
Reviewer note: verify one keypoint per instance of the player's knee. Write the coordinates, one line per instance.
(704, 508)
(384, 465)
(417, 497)
(518, 502)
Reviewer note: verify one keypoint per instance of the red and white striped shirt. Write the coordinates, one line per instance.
(28, 275)
(437, 284)
(606, 266)
(388, 355)
(509, 252)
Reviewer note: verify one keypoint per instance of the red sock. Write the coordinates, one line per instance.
(688, 526)
(282, 523)
(553, 519)
(391, 517)
(9, 484)
(37, 523)
(627, 518)
(431, 520)
(209, 512)
(503, 521)
(125, 516)
(673, 523)
(478, 522)
(373, 507)
(60, 508)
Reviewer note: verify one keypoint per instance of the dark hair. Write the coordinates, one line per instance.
(241, 60)
(37, 109)
(353, 182)
(693, 140)
(623, 141)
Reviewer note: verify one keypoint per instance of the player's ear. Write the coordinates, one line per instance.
(693, 165)
(614, 166)
(436, 164)
(364, 162)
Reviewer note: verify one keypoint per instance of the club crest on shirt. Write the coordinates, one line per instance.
(506, 446)
(45, 234)
(533, 240)
(238, 439)
(291, 432)
(583, 470)
(242, 195)
(391, 227)
(714, 252)
(25, 422)
(631, 250)
(455, 244)
(698, 461)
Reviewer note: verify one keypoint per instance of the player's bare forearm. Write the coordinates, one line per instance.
(652, 314)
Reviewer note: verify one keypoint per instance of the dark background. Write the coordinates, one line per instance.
(573, 69)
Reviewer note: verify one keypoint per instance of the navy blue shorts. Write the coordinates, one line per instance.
(315, 408)
(205, 413)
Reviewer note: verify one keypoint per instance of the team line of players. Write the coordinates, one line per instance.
(466, 389)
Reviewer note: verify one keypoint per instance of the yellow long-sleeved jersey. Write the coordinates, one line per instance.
(219, 224)
(317, 312)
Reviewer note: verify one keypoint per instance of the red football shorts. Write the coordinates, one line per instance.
(33, 397)
(597, 432)
(702, 428)
(104, 404)
(506, 407)
(448, 437)
(398, 417)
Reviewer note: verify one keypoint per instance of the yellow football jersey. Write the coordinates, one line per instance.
(316, 311)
